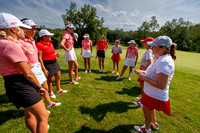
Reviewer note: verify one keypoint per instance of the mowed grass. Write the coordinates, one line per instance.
(102, 104)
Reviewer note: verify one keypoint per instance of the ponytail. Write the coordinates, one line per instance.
(173, 51)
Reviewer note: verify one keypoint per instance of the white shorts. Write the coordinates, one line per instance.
(70, 55)
(39, 74)
(86, 54)
(130, 62)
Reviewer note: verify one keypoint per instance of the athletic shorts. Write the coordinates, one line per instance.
(70, 55)
(86, 54)
(101, 53)
(152, 103)
(39, 74)
(130, 62)
(52, 66)
(20, 91)
(116, 57)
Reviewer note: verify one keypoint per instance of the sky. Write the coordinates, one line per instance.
(122, 14)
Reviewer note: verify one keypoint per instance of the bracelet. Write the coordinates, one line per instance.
(38, 87)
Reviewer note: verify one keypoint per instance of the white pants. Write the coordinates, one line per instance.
(70, 55)
(130, 62)
(39, 74)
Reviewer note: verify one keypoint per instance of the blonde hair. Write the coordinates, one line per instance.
(4, 33)
(117, 40)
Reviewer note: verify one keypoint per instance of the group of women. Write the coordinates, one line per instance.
(25, 66)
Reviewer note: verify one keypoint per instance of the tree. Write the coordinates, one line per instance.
(85, 21)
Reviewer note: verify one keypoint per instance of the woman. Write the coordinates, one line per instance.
(86, 51)
(102, 46)
(47, 58)
(20, 82)
(67, 43)
(157, 78)
(147, 59)
(29, 43)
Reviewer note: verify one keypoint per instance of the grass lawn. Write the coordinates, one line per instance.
(102, 104)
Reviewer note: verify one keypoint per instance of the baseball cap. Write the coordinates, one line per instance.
(131, 41)
(86, 36)
(164, 41)
(30, 23)
(70, 26)
(44, 32)
(148, 39)
(76, 36)
(8, 21)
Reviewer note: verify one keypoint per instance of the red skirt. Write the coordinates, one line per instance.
(152, 103)
(139, 80)
(116, 57)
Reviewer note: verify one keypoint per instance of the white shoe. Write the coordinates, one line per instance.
(73, 82)
(90, 71)
(100, 71)
(77, 78)
(103, 71)
(51, 94)
(53, 104)
(73, 72)
(119, 78)
(142, 129)
(113, 71)
(117, 73)
(48, 127)
(86, 71)
(138, 99)
(61, 91)
(139, 104)
(129, 78)
(48, 111)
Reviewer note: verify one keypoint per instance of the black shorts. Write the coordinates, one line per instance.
(52, 66)
(101, 53)
(20, 91)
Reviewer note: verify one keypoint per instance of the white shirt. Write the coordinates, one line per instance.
(146, 56)
(163, 64)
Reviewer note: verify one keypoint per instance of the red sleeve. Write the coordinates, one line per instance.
(82, 43)
(39, 47)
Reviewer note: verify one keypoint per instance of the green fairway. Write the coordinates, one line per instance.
(101, 104)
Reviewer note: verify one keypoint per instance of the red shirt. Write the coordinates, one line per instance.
(101, 45)
(132, 52)
(47, 50)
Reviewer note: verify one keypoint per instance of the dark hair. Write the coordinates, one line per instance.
(172, 51)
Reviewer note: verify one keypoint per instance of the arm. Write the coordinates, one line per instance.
(29, 75)
(161, 82)
(42, 64)
(106, 46)
(91, 47)
(136, 59)
(62, 44)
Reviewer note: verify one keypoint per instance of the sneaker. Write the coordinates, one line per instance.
(73, 82)
(86, 71)
(117, 73)
(129, 78)
(53, 104)
(139, 104)
(142, 129)
(119, 78)
(48, 127)
(154, 126)
(48, 111)
(51, 94)
(61, 91)
(73, 72)
(113, 71)
(77, 78)
(90, 71)
(138, 99)
(100, 71)
(103, 71)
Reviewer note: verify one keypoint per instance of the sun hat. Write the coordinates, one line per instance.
(30, 23)
(148, 39)
(70, 26)
(131, 41)
(164, 41)
(44, 32)
(76, 36)
(86, 36)
(8, 21)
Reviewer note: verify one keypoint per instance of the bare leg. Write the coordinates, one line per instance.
(46, 95)
(41, 114)
(117, 63)
(142, 86)
(85, 63)
(49, 82)
(147, 116)
(100, 62)
(103, 63)
(153, 116)
(113, 65)
(30, 121)
(71, 66)
(130, 70)
(123, 70)
(76, 68)
(89, 63)
(57, 80)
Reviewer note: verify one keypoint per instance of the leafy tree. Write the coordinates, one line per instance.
(85, 21)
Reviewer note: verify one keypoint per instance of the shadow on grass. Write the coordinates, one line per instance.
(134, 91)
(10, 114)
(117, 129)
(99, 112)
(4, 99)
(109, 78)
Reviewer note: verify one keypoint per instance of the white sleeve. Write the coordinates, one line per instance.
(149, 55)
(163, 67)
